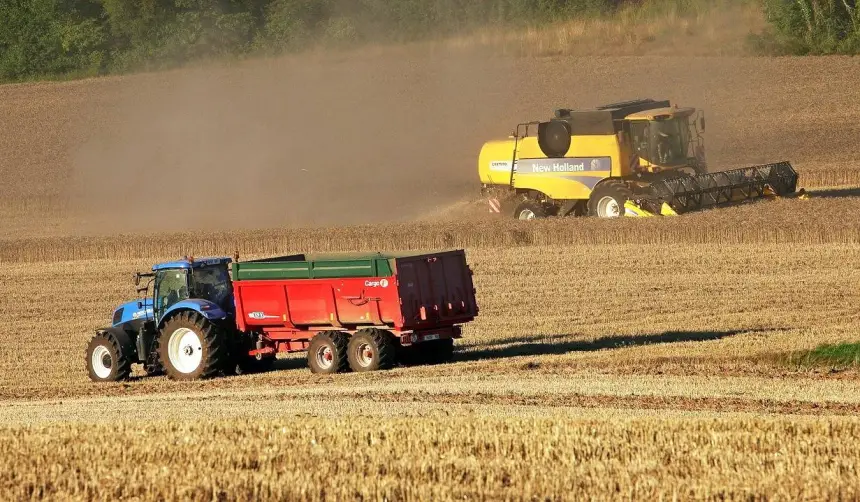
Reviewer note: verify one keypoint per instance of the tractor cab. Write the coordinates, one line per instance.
(206, 279)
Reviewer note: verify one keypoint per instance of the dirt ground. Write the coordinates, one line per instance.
(325, 140)
(598, 368)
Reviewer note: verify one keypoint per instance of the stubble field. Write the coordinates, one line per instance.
(646, 359)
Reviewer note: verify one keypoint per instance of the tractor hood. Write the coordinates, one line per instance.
(137, 310)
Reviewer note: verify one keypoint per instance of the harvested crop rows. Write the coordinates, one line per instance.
(646, 359)
(610, 375)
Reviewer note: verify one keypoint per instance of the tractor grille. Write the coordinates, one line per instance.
(117, 316)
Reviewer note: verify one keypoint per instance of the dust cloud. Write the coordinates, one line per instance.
(294, 142)
(376, 136)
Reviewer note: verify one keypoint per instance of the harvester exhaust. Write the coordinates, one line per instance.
(689, 193)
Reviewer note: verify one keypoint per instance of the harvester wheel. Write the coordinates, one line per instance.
(608, 199)
(529, 210)
(191, 347)
(371, 349)
(107, 359)
(327, 352)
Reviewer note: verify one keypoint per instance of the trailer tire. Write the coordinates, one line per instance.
(107, 359)
(327, 353)
(371, 349)
(191, 347)
(608, 199)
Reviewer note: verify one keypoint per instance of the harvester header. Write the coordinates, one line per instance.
(633, 158)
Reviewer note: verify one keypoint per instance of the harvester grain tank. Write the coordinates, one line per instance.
(634, 158)
(205, 317)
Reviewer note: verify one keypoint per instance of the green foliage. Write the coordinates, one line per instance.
(838, 356)
(811, 27)
(50, 37)
(43, 38)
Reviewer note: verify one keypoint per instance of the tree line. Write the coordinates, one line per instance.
(77, 38)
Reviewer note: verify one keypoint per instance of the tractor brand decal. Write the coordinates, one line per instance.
(500, 165)
(563, 166)
(141, 313)
(382, 283)
(261, 315)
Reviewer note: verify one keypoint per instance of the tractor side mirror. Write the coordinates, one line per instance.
(137, 279)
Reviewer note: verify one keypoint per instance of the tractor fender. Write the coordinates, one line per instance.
(205, 308)
(125, 340)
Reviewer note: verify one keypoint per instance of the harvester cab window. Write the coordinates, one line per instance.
(212, 283)
(671, 138)
(639, 138)
(171, 286)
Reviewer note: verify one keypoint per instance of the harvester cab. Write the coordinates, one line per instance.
(634, 158)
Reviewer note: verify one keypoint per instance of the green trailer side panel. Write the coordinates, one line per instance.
(312, 269)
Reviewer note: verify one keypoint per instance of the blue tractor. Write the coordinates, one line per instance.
(184, 326)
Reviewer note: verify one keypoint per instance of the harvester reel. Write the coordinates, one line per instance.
(554, 138)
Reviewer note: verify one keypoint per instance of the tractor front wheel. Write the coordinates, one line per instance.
(191, 347)
(107, 359)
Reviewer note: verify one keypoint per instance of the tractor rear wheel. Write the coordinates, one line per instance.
(191, 347)
(608, 199)
(327, 352)
(107, 359)
(371, 349)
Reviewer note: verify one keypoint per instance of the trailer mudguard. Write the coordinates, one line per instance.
(205, 308)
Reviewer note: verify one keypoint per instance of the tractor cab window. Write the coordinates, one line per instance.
(212, 283)
(171, 286)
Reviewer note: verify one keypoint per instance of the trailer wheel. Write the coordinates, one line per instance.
(371, 349)
(608, 199)
(327, 352)
(107, 361)
(529, 210)
(191, 347)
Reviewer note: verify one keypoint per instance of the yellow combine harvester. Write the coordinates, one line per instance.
(635, 158)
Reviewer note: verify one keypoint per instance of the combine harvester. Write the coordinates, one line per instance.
(350, 313)
(636, 158)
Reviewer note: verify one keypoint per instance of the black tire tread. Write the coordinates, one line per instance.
(535, 207)
(215, 350)
(609, 187)
(340, 340)
(384, 345)
(118, 354)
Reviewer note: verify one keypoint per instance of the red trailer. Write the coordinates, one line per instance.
(363, 313)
